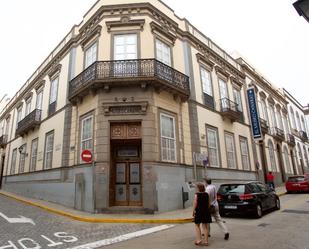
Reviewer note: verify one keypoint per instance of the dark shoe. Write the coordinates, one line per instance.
(226, 236)
(208, 235)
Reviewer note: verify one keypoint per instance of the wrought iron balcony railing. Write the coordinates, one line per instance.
(264, 125)
(278, 133)
(32, 120)
(303, 136)
(105, 74)
(3, 140)
(230, 110)
(291, 139)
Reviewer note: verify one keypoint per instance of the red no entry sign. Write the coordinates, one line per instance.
(86, 156)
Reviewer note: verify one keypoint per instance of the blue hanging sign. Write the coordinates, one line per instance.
(254, 115)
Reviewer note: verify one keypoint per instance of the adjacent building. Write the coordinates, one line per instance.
(153, 99)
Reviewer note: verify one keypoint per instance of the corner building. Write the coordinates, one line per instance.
(147, 94)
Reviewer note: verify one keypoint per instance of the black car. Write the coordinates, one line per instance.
(247, 198)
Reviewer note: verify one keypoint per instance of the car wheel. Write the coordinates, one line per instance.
(277, 206)
(258, 211)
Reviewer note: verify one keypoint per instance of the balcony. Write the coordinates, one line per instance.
(303, 136)
(264, 126)
(3, 141)
(106, 74)
(32, 120)
(291, 139)
(278, 134)
(229, 109)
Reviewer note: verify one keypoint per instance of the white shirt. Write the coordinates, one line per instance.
(212, 192)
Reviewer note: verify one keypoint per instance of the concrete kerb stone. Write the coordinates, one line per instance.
(97, 219)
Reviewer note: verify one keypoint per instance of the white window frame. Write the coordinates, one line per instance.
(213, 150)
(206, 81)
(293, 118)
(273, 116)
(28, 106)
(34, 154)
(279, 120)
(272, 156)
(298, 122)
(237, 99)
(91, 54)
(245, 157)
(39, 99)
(230, 152)
(163, 52)
(13, 162)
(19, 115)
(22, 159)
(85, 140)
(48, 150)
(125, 55)
(53, 90)
(170, 149)
(264, 110)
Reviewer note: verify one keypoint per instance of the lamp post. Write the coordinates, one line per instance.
(302, 8)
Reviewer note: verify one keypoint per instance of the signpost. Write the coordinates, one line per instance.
(86, 156)
(254, 115)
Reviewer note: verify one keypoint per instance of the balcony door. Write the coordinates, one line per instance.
(125, 48)
(223, 94)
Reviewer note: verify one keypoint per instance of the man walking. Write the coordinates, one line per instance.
(270, 180)
(212, 192)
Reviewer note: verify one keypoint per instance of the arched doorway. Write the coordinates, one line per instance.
(279, 154)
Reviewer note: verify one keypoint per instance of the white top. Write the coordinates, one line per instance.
(212, 192)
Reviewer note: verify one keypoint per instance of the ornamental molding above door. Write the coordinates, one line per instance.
(125, 108)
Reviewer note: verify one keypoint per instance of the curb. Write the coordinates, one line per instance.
(98, 220)
(281, 194)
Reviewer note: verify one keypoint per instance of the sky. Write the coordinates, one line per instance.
(269, 34)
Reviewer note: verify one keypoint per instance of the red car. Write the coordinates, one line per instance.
(298, 183)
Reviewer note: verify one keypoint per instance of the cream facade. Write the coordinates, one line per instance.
(154, 101)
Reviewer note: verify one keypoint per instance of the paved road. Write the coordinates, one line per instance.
(51, 231)
(284, 229)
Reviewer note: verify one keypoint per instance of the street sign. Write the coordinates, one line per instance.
(254, 115)
(86, 156)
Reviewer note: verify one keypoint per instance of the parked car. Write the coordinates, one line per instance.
(299, 183)
(247, 198)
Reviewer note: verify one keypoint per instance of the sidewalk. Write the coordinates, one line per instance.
(177, 216)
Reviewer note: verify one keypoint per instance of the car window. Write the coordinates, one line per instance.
(262, 187)
(231, 188)
(296, 179)
(254, 188)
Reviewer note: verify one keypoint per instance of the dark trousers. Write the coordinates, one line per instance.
(271, 184)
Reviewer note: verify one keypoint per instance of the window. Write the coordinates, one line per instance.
(90, 55)
(22, 158)
(264, 110)
(293, 118)
(287, 160)
(163, 52)
(298, 122)
(125, 47)
(230, 150)
(244, 153)
(86, 133)
(305, 155)
(237, 99)
(34, 153)
(303, 124)
(223, 94)
(49, 146)
(168, 138)
(7, 127)
(28, 106)
(19, 113)
(207, 88)
(13, 163)
(272, 156)
(272, 115)
(286, 125)
(53, 96)
(279, 120)
(39, 99)
(213, 146)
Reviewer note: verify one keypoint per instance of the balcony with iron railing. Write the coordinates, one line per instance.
(291, 139)
(230, 109)
(3, 141)
(32, 120)
(303, 136)
(264, 125)
(278, 133)
(107, 74)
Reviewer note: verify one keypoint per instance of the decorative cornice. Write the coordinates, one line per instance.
(40, 84)
(125, 22)
(87, 36)
(54, 70)
(163, 30)
(221, 71)
(28, 95)
(235, 80)
(125, 108)
(203, 59)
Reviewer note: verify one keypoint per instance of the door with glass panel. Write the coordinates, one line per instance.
(128, 184)
(125, 55)
(223, 94)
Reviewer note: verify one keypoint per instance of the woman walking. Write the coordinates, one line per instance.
(201, 214)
